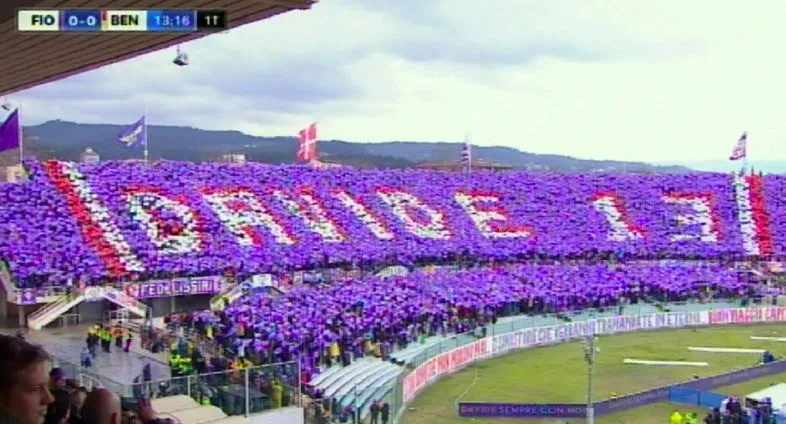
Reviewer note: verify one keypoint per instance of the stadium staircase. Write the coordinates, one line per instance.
(130, 303)
(51, 311)
(226, 297)
(5, 279)
(232, 293)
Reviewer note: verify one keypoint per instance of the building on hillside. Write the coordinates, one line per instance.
(458, 166)
(324, 165)
(89, 156)
(10, 169)
(236, 158)
(12, 173)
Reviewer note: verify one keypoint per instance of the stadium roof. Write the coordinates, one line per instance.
(30, 59)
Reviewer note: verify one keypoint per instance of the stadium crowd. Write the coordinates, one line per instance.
(578, 237)
(118, 220)
(321, 325)
(336, 323)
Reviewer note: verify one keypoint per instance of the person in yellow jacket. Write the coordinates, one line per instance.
(106, 340)
(186, 367)
(276, 393)
(174, 364)
(691, 418)
(675, 418)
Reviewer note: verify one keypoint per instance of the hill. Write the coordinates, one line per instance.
(66, 140)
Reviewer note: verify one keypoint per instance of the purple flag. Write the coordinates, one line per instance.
(9, 132)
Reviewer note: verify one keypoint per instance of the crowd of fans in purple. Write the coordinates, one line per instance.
(349, 319)
(584, 238)
(338, 323)
(126, 220)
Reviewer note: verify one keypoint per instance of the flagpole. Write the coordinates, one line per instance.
(745, 159)
(21, 138)
(745, 156)
(468, 146)
(147, 140)
(316, 152)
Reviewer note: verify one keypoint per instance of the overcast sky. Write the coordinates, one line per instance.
(658, 81)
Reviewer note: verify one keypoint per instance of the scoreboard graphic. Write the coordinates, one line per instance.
(97, 20)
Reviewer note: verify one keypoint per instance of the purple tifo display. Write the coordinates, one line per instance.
(130, 221)
(306, 322)
(521, 410)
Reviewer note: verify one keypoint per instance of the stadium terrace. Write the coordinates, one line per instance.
(303, 322)
(130, 220)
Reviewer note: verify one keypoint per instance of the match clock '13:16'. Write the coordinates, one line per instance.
(171, 21)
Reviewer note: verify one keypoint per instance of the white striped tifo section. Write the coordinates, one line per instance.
(99, 216)
(647, 362)
(724, 350)
(745, 211)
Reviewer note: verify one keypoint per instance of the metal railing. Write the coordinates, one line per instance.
(354, 402)
(79, 373)
(68, 320)
(237, 392)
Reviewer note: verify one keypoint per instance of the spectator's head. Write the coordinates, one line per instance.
(59, 410)
(101, 407)
(57, 378)
(24, 380)
(77, 400)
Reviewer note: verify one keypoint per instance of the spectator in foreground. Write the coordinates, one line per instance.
(57, 379)
(101, 407)
(59, 411)
(77, 400)
(24, 380)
